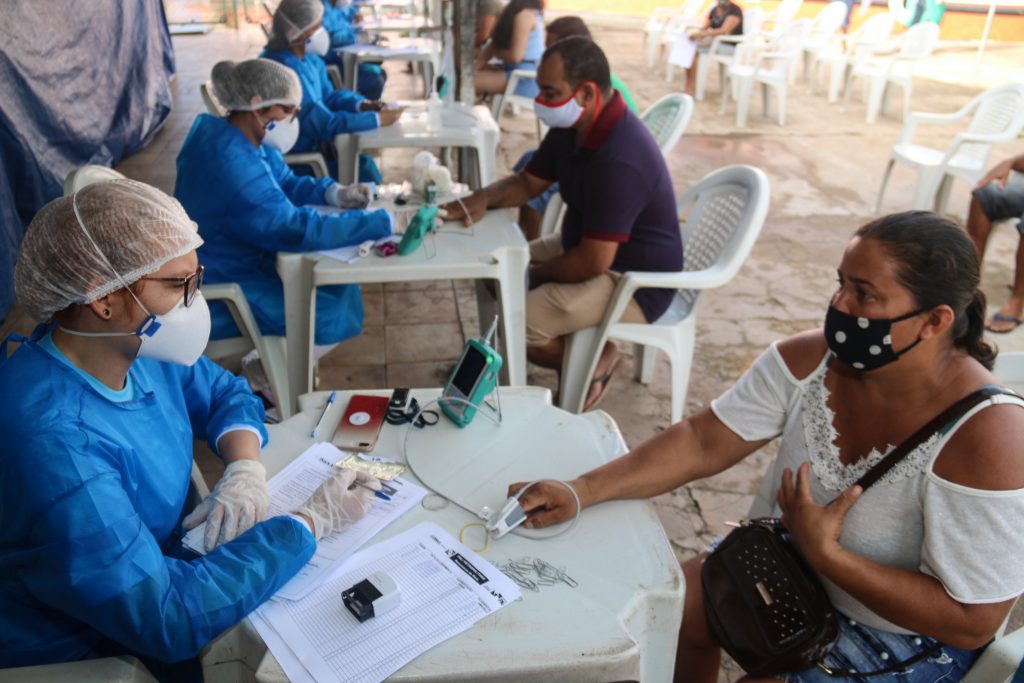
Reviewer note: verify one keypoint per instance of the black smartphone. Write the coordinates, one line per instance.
(399, 399)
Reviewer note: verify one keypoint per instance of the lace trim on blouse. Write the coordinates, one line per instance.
(820, 435)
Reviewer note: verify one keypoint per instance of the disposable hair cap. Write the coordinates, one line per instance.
(254, 84)
(104, 237)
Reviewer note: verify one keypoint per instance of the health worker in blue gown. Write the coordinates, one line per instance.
(106, 398)
(340, 21)
(298, 41)
(232, 180)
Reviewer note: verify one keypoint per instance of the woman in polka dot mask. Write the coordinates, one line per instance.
(924, 565)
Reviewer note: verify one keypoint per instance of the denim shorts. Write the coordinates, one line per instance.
(1000, 204)
(864, 649)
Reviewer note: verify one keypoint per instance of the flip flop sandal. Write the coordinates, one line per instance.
(1003, 318)
(605, 381)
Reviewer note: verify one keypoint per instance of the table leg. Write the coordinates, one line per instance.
(351, 64)
(348, 158)
(512, 296)
(296, 273)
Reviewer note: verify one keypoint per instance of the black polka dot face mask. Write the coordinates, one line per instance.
(863, 343)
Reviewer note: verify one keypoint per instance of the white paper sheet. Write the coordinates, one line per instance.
(445, 588)
(683, 50)
(293, 485)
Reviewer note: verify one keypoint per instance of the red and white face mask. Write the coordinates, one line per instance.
(564, 114)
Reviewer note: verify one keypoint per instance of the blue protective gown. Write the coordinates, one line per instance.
(326, 111)
(249, 206)
(92, 492)
(370, 78)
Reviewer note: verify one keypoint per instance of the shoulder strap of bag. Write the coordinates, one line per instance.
(924, 433)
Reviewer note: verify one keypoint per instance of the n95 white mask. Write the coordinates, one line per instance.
(563, 114)
(319, 43)
(282, 135)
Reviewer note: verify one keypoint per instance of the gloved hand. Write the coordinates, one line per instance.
(348, 197)
(339, 502)
(239, 500)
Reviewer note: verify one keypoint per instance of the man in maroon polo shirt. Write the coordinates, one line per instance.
(621, 210)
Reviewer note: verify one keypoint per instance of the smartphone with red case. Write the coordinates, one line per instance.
(361, 423)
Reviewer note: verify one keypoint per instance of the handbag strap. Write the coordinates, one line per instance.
(951, 413)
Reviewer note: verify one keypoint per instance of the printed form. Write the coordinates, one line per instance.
(445, 588)
(293, 485)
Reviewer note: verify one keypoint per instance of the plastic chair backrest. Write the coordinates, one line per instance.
(212, 105)
(874, 30)
(753, 19)
(667, 119)
(729, 208)
(998, 111)
(794, 35)
(87, 175)
(787, 10)
(829, 20)
(919, 41)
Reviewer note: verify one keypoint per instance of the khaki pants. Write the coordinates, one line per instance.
(556, 309)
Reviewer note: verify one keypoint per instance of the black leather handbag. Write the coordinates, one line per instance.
(766, 606)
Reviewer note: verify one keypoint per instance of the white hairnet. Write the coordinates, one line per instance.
(235, 84)
(123, 231)
(293, 18)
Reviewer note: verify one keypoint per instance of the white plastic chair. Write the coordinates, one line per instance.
(87, 175)
(123, 669)
(770, 66)
(728, 209)
(681, 23)
(871, 36)
(510, 98)
(662, 18)
(313, 160)
(996, 115)
(721, 52)
(777, 19)
(915, 46)
(823, 34)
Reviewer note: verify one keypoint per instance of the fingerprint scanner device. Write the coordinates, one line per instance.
(474, 378)
(419, 226)
(506, 519)
(374, 596)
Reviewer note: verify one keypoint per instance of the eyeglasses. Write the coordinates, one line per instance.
(190, 283)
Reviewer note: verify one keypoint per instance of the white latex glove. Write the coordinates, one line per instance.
(351, 197)
(339, 502)
(239, 500)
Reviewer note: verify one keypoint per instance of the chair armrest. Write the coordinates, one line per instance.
(514, 78)
(915, 118)
(999, 661)
(314, 160)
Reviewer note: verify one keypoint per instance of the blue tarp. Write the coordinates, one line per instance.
(80, 83)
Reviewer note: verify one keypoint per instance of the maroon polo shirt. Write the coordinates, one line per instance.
(616, 187)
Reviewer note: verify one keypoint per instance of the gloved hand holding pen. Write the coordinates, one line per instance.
(340, 502)
(238, 501)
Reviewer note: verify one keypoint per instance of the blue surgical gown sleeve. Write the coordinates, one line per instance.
(277, 224)
(217, 400)
(323, 124)
(303, 190)
(100, 565)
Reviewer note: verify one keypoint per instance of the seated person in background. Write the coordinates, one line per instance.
(95, 470)
(621, 208)
(233, 181)
(518, 42)
(930, 553)
(487, 12)
(996, 197)
(531, 213)
(724, 19)
(298, 42)
(370, 78)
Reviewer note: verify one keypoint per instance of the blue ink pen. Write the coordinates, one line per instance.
(330, 402)
(379, 494)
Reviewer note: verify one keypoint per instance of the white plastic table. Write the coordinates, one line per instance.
(424, 51)
(462, 125)
(620, 623)
(494, 249)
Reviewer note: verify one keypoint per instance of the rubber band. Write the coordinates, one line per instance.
(487, 536)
